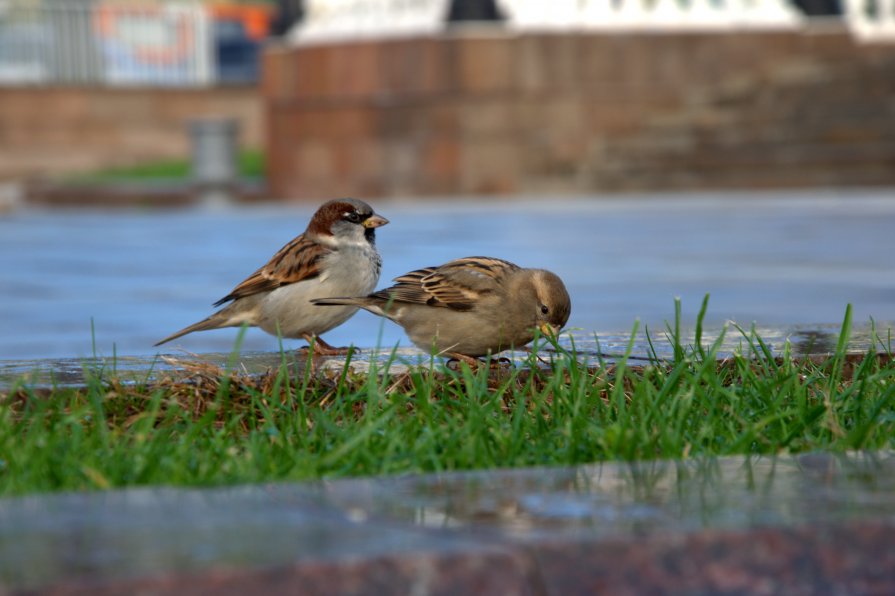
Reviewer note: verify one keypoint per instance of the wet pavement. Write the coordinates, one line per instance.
(814, 523)
(778, 259)
(588, 349)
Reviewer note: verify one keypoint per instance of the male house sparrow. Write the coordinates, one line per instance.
(470, 307)
(335, 255)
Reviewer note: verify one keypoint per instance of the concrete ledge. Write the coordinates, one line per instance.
(52, 130)
(159, 194)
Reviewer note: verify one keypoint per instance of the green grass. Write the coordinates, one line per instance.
(213, 427)
(250, 164)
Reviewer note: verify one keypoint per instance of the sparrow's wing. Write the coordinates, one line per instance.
(297, 261)
(409, 288)
(459, 284)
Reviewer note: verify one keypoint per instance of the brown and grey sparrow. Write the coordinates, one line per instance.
(336, 255)
(470, 307)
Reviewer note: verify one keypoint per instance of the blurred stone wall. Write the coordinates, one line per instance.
(488, 112)
(53, 130)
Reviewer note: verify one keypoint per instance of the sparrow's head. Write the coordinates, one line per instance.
(348, 219)
(551, 302)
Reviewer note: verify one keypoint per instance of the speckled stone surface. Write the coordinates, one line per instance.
(807, 524)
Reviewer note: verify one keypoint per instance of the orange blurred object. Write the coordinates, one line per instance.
(256, 18)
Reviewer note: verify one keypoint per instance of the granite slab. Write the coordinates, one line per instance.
(813, 523)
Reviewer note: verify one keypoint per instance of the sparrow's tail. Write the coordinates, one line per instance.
(203, 325)
(232, 316)
(337, 301)
(369, 303)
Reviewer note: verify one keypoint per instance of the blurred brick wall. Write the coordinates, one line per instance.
(483, 113)
(50, 130)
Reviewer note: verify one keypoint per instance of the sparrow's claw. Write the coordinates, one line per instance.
(475, 363)
(321, 348)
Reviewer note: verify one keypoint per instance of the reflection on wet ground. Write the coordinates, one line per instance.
(779, 259)
(609, 499)
(144, 531)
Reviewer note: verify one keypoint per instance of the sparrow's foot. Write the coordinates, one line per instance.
(321, 348)
(502, 362)
(475, 363)
(454, 361)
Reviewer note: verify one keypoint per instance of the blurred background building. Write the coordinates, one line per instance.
(103, 42)
(422, 97)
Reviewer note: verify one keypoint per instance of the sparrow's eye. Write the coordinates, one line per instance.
(353, 217)
(544, 309)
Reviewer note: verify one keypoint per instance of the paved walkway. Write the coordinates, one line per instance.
(72, 283)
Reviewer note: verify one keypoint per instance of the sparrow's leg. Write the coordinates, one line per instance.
(322, 348)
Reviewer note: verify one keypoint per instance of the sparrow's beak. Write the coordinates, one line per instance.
(548, 330)
(374, 221)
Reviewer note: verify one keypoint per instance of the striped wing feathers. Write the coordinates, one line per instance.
(297, 261)
(459, 284)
